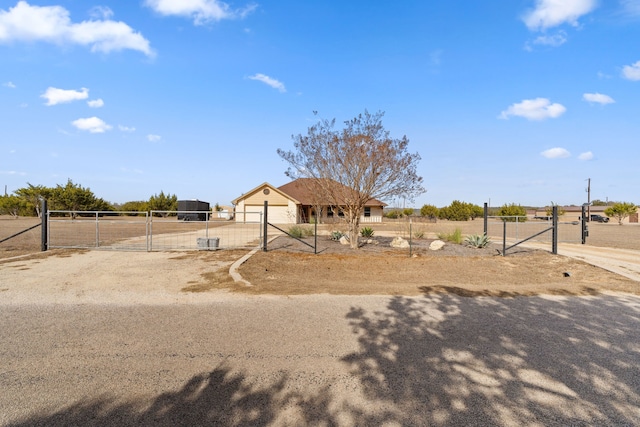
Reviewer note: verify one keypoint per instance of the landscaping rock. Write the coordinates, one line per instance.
(399, 243)
(344, 240)
(436, 245)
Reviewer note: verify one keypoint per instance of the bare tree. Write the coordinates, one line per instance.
(351, 166)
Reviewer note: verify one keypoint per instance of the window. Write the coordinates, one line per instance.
(329, 212)
(367, 211)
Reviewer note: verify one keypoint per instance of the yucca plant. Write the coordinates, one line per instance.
(336, 235)
(366, 232)
(477, 241)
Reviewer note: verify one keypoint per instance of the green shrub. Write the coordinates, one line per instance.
(455, 237)
(336, 235)
(418, 234)
(511, 211)
(366, 232)
(478, 240)
(300, 232)
(429, 211)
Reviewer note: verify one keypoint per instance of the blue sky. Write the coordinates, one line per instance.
(506, 101)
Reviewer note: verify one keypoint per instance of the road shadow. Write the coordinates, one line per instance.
(447, 360)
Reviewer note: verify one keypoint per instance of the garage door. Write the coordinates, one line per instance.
(277, 214)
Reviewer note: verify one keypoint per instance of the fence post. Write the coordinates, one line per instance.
(583, 225)
(486, 216)
(315, 236)
(44, 245)
(504, 237)
(264, 226)
(554, 232)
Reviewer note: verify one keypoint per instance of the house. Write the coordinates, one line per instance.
(295, 203)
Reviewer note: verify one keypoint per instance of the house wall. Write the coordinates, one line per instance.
(375, 217)
(281, 209)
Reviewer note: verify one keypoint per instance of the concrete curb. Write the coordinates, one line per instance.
(233, 270)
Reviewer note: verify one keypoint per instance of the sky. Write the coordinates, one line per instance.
(506, 101)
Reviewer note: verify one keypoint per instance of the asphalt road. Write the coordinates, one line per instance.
(322, 361)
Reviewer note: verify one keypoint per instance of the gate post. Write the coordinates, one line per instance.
(554, 232)
(583, 225)
(485, 216)
(264, 226)
(44, 244)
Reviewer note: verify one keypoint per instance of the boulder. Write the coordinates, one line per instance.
(344, 240)
(400, 243)
(436, 245)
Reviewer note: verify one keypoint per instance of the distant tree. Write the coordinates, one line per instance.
(429, 211)
(163, 202)
(74, 198)
(456, 211)
(511, 211)
(598, 202)
(12, 205)
(351, 166)
(620, 211)
(549, 210)
(33, 196)
(407, 212)
(475, 211)
(135, 206)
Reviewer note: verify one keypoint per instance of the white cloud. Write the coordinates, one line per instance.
(52, 24)
(269, 81)
(632, 72)
(598, 98)
(201, 11)
(10, 85)
(91, 124)
(126, 128)
(153, 138)
(103, 12)
(552, 13)
(586, 156)
(534, 109)
(556, 153)
(96, 103)
(60, 96)
(555, 40)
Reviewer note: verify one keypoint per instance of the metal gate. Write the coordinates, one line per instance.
(149, 231)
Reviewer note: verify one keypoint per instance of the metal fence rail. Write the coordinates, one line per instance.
(568, 232)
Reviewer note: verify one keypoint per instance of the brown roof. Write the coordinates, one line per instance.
(299, 189)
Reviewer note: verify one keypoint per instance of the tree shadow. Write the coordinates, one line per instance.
(446, 360)
(217, 398)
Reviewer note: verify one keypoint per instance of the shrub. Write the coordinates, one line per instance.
(418, 234)
(300, 232)
(429, 211)
(511, 211)
(394, 214)
(336, 235)
(455, 237)
(478, 241)
(407, 212)
(366, 232)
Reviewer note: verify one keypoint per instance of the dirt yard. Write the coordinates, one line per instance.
(290, 268)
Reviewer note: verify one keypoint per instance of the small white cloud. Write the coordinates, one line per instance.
(60, 96)
(552, 13)
(534, 109)
(92, 125)
(10, 85)
(96, 103)
(586, 156)
(598, 98)
(153, 138)
(201, 11)
(126, 128)
(269, 81)
(555, 40)
(632, 72)
(556, 153)
(12, 173)
(52, 24)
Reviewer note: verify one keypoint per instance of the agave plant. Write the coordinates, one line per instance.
(477, 240)
(366, 232)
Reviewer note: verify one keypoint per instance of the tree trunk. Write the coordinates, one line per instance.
(354, 229)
